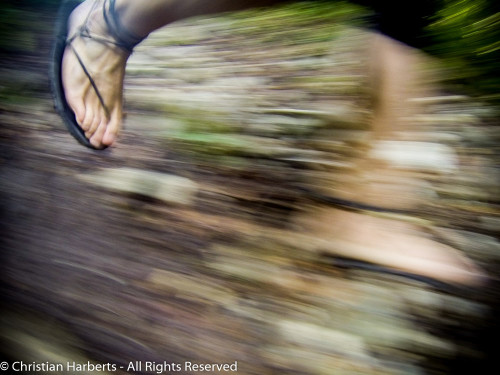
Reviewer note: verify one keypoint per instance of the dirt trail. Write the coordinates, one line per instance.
(190, 256)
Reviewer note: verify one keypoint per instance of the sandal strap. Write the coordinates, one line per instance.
(124, 38)
(351, 205)
(91, 80)
(121, 37)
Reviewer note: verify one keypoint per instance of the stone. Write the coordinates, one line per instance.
(417, 155)
(323, 338)
(165, 187)
(189, 287)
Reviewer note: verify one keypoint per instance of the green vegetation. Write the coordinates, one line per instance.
(466, 34)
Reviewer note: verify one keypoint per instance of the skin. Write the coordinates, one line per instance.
(386, 242)
(106, 62)
(356, 235)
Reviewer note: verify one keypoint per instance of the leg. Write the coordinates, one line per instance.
(386, 241)
(106, 62)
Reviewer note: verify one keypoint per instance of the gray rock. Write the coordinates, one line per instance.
(165, 187)
(417, 155)
(323, 338)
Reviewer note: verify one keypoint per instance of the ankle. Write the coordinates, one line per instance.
(113, 15)
(100, 21)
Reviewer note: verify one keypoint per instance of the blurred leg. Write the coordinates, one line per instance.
(142, 17)
(371, 237)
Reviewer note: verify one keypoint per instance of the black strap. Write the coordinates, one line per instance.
(124, 38)
(121, 37)
(91, 80)
(348, 204)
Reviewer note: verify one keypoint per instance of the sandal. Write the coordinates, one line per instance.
(348, 264)
(120, 37)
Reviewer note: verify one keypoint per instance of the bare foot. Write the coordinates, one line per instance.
(105, 63)
(387, 242)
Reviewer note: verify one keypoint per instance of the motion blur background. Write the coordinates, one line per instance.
(176, 245)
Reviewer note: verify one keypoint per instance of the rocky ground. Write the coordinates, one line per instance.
(177, 245)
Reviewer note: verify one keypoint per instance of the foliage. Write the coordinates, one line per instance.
(467, 34)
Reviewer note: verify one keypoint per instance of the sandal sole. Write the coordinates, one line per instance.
(55, 73)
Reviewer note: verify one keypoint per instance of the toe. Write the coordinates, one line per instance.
(90, 124)
(95, 142)
(97, 136)
(112, 130)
